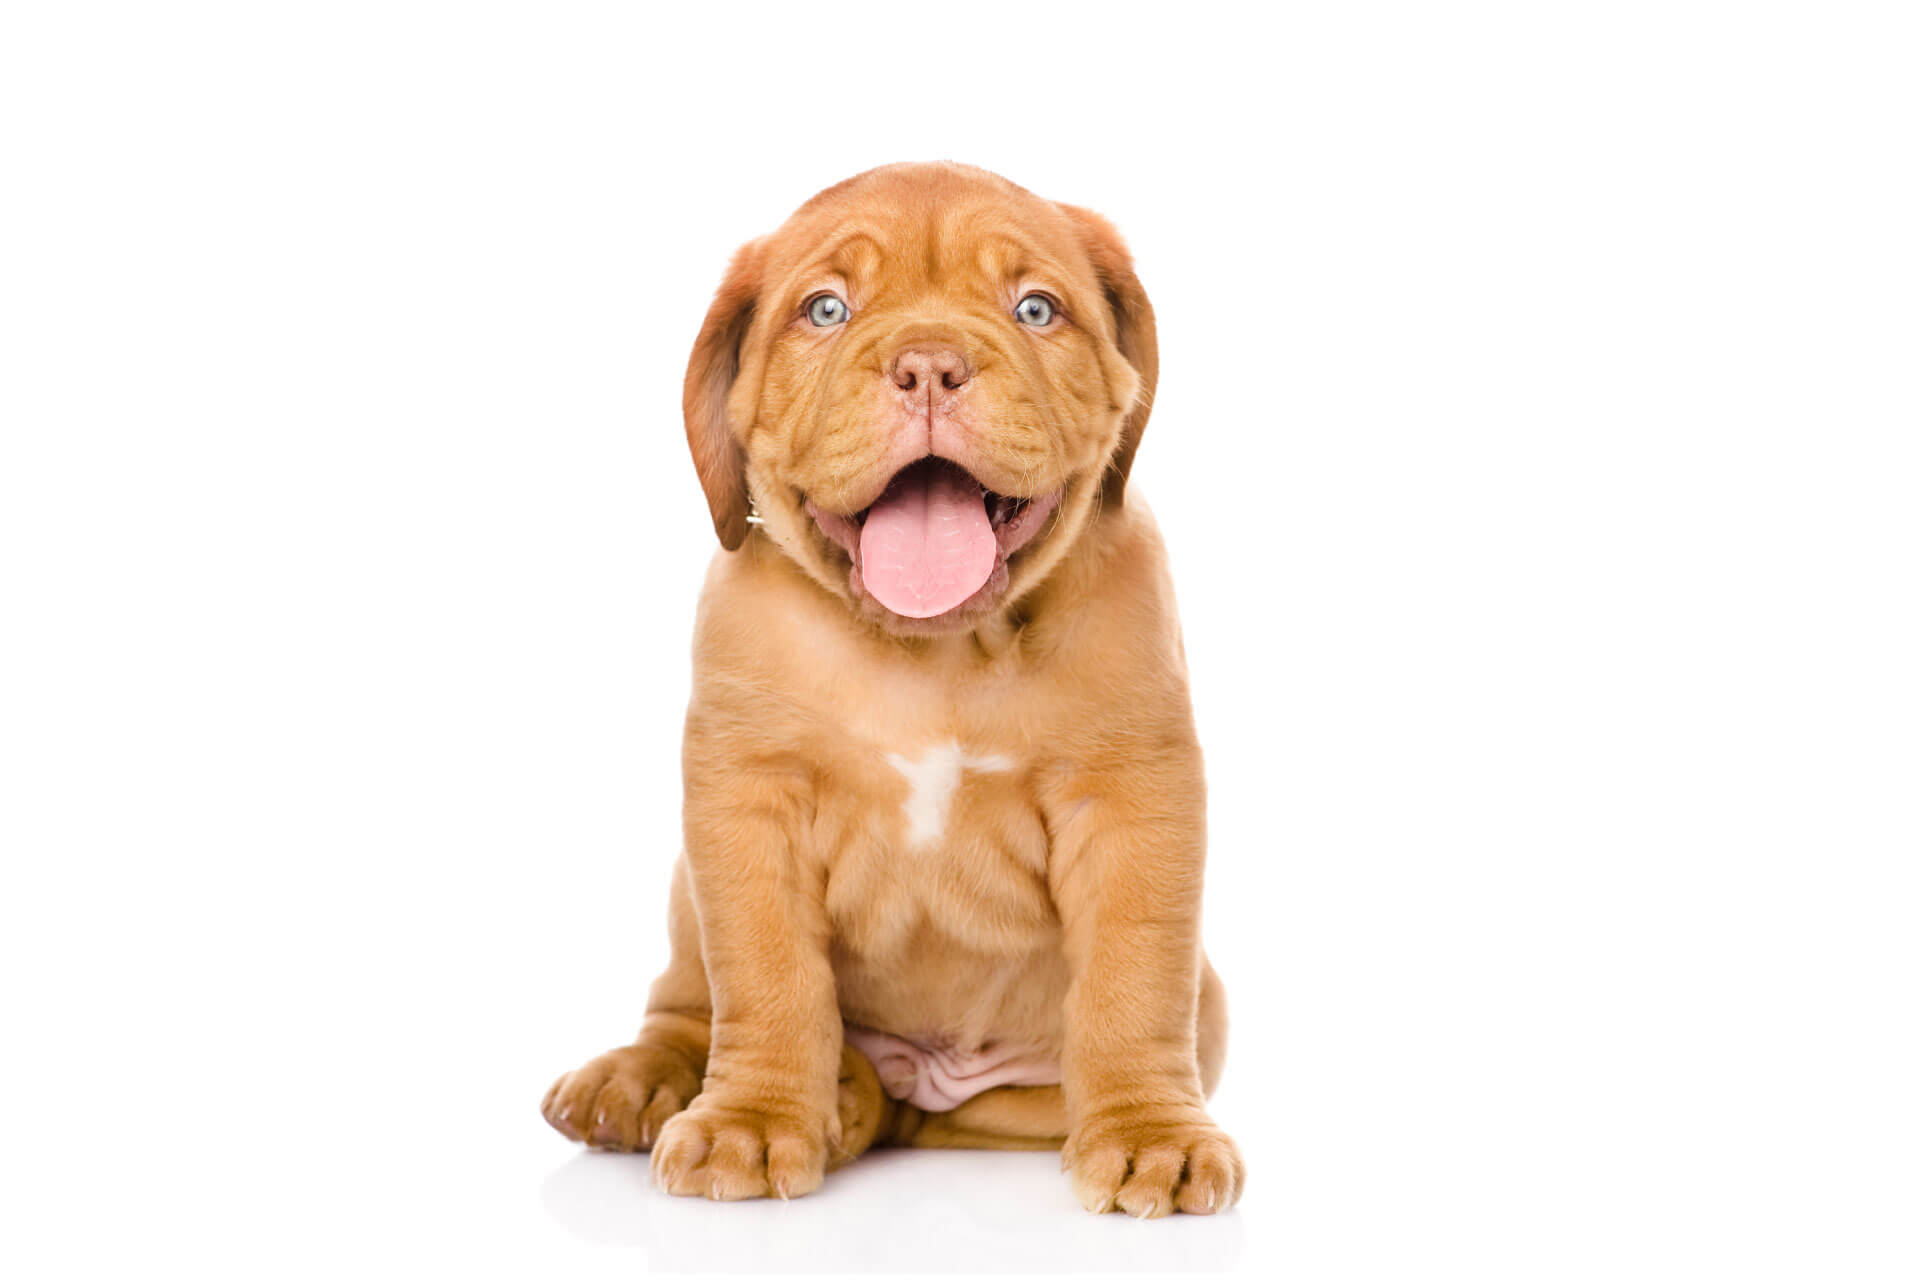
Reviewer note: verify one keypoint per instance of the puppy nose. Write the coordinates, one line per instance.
(921, 368)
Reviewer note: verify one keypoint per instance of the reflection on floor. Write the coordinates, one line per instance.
(912, 1211)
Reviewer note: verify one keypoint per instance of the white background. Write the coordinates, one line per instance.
(1536, 449)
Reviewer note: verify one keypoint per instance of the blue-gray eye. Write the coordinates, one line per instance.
(1035, 309)
(827, 311)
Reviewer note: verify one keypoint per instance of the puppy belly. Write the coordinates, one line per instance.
(934, 1078)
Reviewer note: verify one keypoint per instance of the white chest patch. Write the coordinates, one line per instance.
(931, 782)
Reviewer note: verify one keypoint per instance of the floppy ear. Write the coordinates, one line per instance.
(717, 452)
(1133, 334)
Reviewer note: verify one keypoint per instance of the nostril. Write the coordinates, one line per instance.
(953, 369)
(919, 367)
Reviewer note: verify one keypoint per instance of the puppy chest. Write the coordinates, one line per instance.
(943, 832)
(930, 782)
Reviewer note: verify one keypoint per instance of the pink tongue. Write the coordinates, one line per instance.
(927, 545)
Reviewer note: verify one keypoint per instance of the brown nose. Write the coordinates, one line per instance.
(922, 368)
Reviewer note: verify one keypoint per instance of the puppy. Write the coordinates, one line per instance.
(944, 806)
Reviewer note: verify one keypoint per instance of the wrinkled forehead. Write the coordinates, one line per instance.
(916, 241)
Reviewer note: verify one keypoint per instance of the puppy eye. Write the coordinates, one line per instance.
(826, 311)
(1035, 309)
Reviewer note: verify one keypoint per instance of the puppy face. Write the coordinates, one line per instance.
(924, 382)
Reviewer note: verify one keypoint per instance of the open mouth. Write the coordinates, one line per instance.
(936, 541)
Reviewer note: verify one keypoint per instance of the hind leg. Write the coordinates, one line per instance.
(621, 1099)
(865, 1108)
(1009, 1118)
(1034, 1117)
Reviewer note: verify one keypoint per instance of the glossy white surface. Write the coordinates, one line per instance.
(901, 1211)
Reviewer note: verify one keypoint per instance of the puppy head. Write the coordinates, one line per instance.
(925, 382)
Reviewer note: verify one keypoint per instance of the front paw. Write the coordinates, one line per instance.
(728, 1152)
(1149, 1163)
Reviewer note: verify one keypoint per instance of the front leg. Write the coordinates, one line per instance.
(766, 1116)
(1126, 873)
